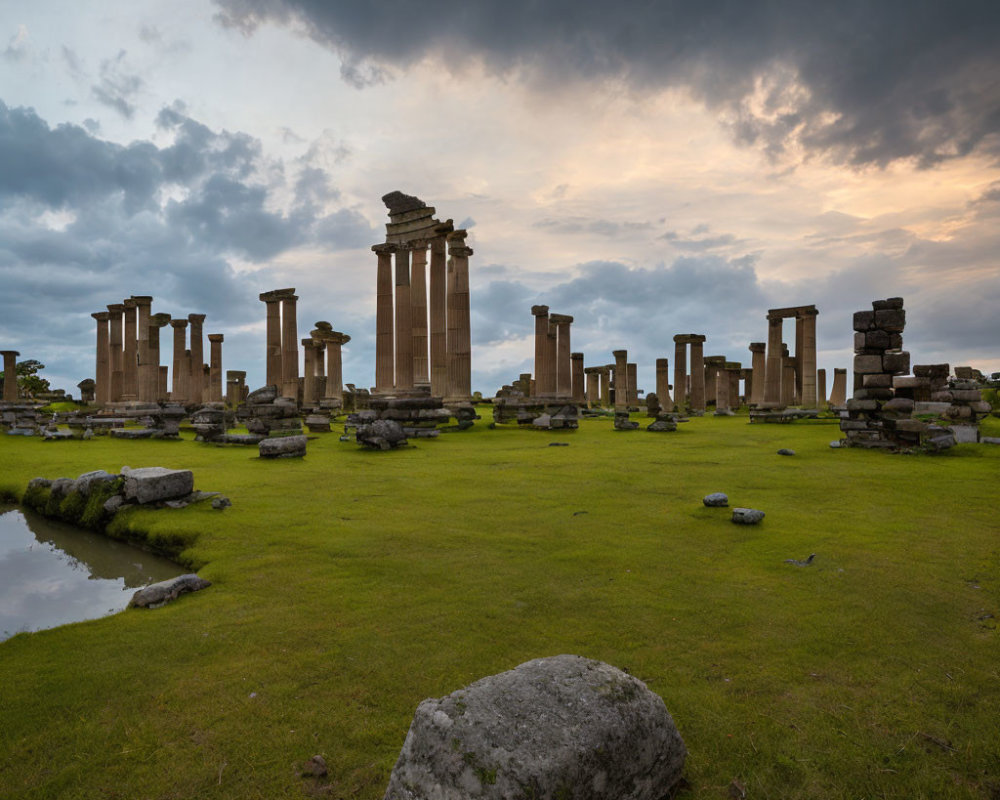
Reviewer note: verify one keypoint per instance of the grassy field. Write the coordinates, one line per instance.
(350, 585)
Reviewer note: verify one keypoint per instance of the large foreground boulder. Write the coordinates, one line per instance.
(152, 484)
(561, 727)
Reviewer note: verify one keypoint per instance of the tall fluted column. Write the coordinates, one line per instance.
(215, 367)
(404, 322)
(10, 375)
(273, 340)
(621, 380)
(680, 370)
(773, 378)
(697, 372)
(663, 383)
(439, 317)
(384, 354)
(157, 381)
(103, 366)
(459, 324)
(289, 348)
(757, 379)
(807, 359)
(541, 315)
(178, 390)
(563, 373)
(196, 388)
(576, 377)
(130, 352)
(115, 341)
(143, 310)
(418, 311)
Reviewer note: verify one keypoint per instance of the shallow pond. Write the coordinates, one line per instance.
(52, 573)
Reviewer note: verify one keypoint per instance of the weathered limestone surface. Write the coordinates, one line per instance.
(283, 447)
(152, 484)
(565, 727)
(158, 594)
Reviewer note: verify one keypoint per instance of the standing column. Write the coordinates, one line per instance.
(576, 373)
(273, 347)
(143, 311)
(103, 367)
(130, 354)
(418, 311)
(838, 393)
(797, 360)
(157, 386)
(459, 325)
(334, 366)
(697, 372)
(633, 384)
(115, 341)
(757, 378)
(384, 356)
(309, 372)
(215, 367)
(593, 386)
(606, 385)
(721, 388)
(563, 373)
(178, 389)
(196, 388)
(289, 347)
(680, 371)
(821, 387)
(773, 378)
(439, 318)
(404, 322)
(663, 383)
(541, 315)
(621, 380)
(10, 372)
(807, 359)
(734, 369)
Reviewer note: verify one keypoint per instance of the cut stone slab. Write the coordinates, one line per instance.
(747, 516)
(784, 451)
(283, 447)
(152, 484)
(565, 727)
(158, 594)
(715, 500)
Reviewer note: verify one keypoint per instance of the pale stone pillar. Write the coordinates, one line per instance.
(633, 383)
(797, 360)
(10, 374)
(733, 370)
(196, 388)
(439, 317)
(143, 309)
(807, 358)
(178, 391)
(156, 375)
(593, 386)
(404, 322)
(563, 368)
(680, 371)
(215, 341)
(460, 360)
(606, 385)
(309, 372)
(384, 354)
(115, 342)
(721, 387)
(757, 380)
(541, 315)
(697, 372)
(103, 366)
(273, 346)
(552, 360)
(773, 377)
(821, 387)
(838, 394)
(621, 380)
(130, 352)
(334, 368)
(418, 311)
(289, 347)
(576, 377)
(788, 381)
(663, 383)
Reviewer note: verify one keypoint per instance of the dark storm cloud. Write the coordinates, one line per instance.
(865, 83)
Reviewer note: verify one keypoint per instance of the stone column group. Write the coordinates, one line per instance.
(128, 356)
(323, 383)
(422, 326)
(790, 380)
(554, 361)
(689, 391)
(282, 346)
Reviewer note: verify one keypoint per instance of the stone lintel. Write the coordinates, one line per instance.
(689, 338)
(142, 299)
(560, 319)
(129, 302)
(733, 365)
(159, 320)
(216, 337)
(791, 311)
(840, 370)
(758, 347)
(593, 370)
(278, 294)
(101, 316)
(715, 361)
(116, 308)
(405, 232)
(540, 311)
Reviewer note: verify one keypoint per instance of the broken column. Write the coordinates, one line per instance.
(821, 387)
(576, 370)
(632, 370)
(621, 380)
(196, 384)
(663, 383)
(697, 342)
(289, 347)
(9, 375)
(757, 380)
(680, 370)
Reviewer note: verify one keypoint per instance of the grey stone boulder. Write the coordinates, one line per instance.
(157, 594)
(715, 500)
(784, 451)
(152, 484)
(283, 447)
(89, 480)
(382, 434)
(561, 727)
(747, 516)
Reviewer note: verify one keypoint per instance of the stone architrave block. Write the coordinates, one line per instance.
(891, 319)
(152, 484)
(866, 365)
(564, 726)
(896, 363)
(905, 382)
(864, 320)
(877, 340)
(890, 302)
(878, 380)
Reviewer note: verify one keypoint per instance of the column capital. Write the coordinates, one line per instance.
(116, 308)
(216, 337)
(178, 323)
(101, 316)
(457, 235)
(277, 294)
(560, 319)
(576, 356)
(416, 245)
(808, 311)
(159, 320)
(142, 299)
(459, 251)
(540, 311)
(384, 249)
(323, 325)
(196, 319)
(129, 302)
(12, 353)
(758, 347)
(619, 354)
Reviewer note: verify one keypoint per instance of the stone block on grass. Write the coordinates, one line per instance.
(152, 484)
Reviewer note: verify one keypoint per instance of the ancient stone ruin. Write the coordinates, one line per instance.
(790, 380)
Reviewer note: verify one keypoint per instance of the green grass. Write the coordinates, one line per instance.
(350, 585)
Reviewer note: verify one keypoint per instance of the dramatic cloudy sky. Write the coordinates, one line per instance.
(649, 167)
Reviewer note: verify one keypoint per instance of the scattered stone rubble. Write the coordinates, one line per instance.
(159, 594)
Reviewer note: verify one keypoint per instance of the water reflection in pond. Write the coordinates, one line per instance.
(52, 573)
